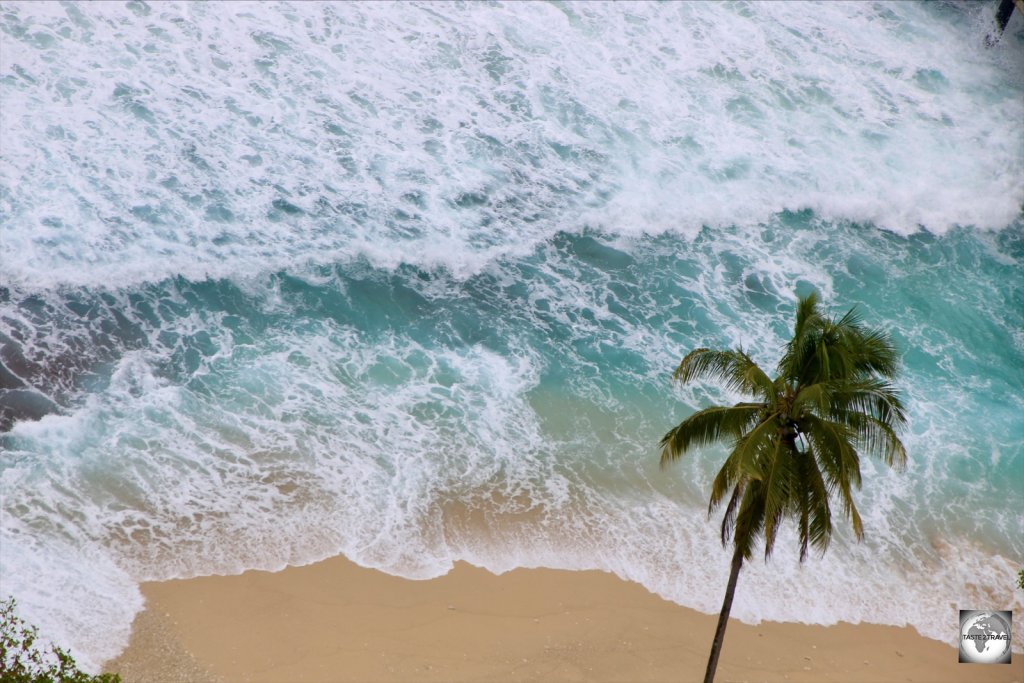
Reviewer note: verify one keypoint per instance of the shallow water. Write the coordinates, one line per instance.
(287, 281)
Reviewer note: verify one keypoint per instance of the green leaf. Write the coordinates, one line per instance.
(708, 426)
(797, 446)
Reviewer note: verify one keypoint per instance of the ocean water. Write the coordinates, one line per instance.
(406, 282)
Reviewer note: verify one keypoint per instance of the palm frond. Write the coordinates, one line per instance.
(742, 462)
(875, 397)
(751, 444)
(808, 319)
(872, 352)
(852, 319)
(855, 520)
(728, 477)
(808, 316)
(817, 397)
(833, 395)
(843, 348)
(749, 519)
(831, 443)
(708, 426)
(815, 524)
(875, 437)
(836, 456)
(778, 483)
(734, 368)
(729, 517)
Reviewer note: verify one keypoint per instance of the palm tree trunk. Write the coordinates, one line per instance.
(723, 618)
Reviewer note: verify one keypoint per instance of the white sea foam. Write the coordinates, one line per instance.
(151, 481)
(74, 594)
(143, 142)
(353, 405)
(332, 439)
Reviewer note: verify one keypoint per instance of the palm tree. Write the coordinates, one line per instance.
(797, 445)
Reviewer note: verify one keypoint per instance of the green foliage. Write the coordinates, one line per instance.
(797, 446)
(23, 659)
(1020, 579)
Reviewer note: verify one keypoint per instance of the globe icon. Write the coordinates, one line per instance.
(985, 638)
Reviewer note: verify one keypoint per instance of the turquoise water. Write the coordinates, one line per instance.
(282, 282)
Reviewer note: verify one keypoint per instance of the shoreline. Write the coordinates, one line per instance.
(336, 621)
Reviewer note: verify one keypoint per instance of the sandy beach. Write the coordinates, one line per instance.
(334, 621)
